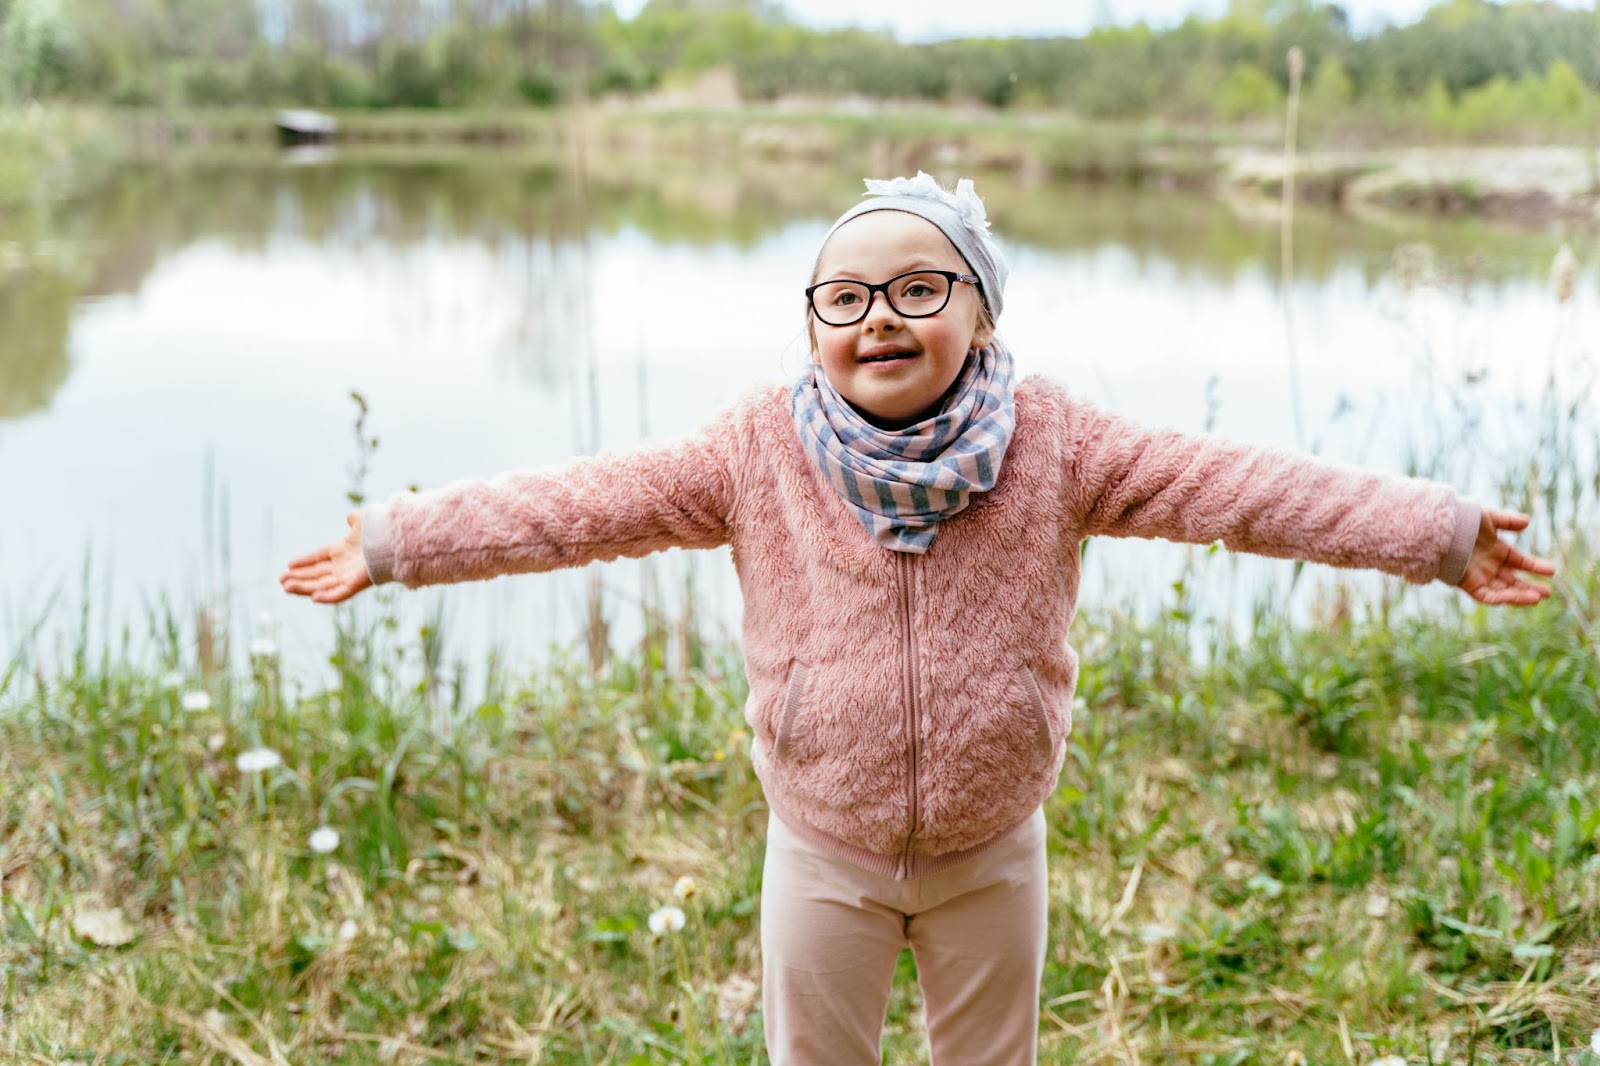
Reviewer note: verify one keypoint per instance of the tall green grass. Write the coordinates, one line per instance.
(1371, 835)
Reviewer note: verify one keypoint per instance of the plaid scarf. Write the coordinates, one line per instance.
(902, 482)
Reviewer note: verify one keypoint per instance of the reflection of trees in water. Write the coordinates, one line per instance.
(35, 316)
(493, 198)
(531, 215)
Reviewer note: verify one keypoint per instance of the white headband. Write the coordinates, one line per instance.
(959, 216)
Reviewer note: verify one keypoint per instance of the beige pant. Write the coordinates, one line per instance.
(831, 934)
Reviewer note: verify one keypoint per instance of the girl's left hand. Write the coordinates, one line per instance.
(1495, 568)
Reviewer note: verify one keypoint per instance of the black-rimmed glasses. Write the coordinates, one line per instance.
(919, 294)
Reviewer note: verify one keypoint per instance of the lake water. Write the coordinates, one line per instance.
(178, 350)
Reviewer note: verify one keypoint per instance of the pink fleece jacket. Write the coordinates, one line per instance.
(908, 710)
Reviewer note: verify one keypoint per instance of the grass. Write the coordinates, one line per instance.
(1374, 835)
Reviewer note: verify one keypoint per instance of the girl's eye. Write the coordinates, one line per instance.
(844, 298)
(917, 290)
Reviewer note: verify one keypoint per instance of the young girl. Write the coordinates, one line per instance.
(905, 522)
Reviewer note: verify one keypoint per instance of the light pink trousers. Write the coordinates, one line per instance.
(831, 934)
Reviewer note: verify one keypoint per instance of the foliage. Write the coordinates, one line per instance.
(1520, 69)
(37, 49)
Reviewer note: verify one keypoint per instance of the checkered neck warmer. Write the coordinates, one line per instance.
(901, 483)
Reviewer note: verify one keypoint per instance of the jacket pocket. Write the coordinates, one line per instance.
(789, 711)
(1045, 735)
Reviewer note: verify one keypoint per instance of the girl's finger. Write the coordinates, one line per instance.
(310, 557)
(1510, 520)
(304, 573)
(1533, 564)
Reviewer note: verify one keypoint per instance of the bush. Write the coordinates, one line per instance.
(37, 50)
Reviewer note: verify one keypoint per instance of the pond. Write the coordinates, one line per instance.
(179, 349)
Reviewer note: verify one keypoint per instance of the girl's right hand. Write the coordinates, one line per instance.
(332, 573)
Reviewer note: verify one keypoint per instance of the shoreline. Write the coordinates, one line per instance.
(1533, 184)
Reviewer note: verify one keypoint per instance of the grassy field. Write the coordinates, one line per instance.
(1376, 835)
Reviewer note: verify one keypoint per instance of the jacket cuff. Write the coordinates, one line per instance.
(376, 550)
(1454, 567)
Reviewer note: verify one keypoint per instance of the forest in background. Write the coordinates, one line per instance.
(1527, 69)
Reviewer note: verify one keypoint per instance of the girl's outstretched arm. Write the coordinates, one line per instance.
(334, 572)
(1495, 567)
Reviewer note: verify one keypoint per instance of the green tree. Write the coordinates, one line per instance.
(1248, 92)
(1439, 107)
(1565, 97)
(1331, 89)
(36, 49)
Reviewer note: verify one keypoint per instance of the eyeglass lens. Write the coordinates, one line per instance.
(842, 303)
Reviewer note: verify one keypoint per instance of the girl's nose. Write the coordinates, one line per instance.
(880, 311)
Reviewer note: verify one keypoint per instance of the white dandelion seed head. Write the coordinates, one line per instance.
(195, 700)
(1389, 1060)
(1594, 1042)
(172, 680)
(684, 888)
(666, 920)
(263, 648)
(257, 760)
(215, 742)
(324, 839)
(348, 929)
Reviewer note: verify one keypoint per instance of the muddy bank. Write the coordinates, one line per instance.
(1532, 184)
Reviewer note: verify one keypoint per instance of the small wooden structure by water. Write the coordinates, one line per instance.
(305, 127)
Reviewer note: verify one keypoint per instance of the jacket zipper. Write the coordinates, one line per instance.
(907, 564)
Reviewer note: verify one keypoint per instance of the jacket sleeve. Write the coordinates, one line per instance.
(628, 503)
(1128, 480)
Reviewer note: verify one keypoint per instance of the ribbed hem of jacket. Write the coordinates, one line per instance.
(895, 867)
(376, 549)
(1454, 567)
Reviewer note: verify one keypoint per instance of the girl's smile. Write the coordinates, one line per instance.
(895, 370)
(886, 354)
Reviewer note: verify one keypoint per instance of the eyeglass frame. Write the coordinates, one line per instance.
(950, 277)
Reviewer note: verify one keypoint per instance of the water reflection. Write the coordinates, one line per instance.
(502, 311)
(35, 318)
(534, 214)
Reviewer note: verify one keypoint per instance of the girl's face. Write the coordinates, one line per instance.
(895, 370)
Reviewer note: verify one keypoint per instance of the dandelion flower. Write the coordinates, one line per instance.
(1594, 1042)
(1389, 1060)
(197, 700)
(172, 681)
(684, 888)
(263, 648)
(257, 760)
(666, 920)
(348, 929)
(324, 839)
